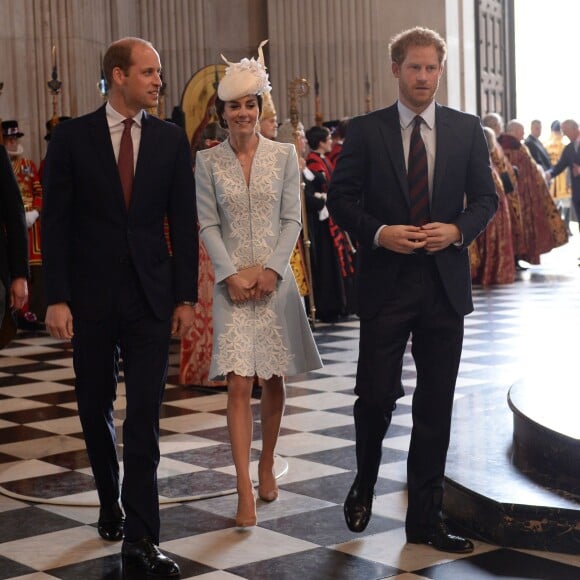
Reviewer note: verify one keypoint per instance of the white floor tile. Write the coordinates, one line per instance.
(58, 549)
(235, 547)
(315, 421)
(192, 423)
(303, 443)
(323, 401)
(27, 469)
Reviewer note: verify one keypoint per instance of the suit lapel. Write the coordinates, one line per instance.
(102, 140)
(105, 154)
(146, 153)
(442, 139)
(390, 129)
(575, 154)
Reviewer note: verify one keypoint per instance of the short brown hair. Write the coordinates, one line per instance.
(119, 54)
(417, 36)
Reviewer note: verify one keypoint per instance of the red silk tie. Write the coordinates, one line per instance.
(418, 177)
(125, 162)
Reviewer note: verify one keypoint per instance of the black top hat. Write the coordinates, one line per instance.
(51, 123)
(10, 129)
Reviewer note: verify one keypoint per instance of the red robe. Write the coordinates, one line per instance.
(503, 167)
(318, 164)
(543, 227)
(492, 253)
(31, 190)
(334, 153)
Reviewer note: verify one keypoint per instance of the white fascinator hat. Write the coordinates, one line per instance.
(247, 77)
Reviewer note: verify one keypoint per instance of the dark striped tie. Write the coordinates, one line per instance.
(418, 177)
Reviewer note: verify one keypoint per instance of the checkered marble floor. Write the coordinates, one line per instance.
(514, 330)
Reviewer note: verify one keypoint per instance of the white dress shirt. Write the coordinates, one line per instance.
(428, 134)
(115, 122)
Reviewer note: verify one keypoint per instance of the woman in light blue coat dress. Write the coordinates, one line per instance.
(248, 195)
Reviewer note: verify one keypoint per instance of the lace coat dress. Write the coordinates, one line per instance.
(242, 226)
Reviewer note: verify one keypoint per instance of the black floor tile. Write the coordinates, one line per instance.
(328, 351)
(296, 391)
(219, 434)
(178, 393)
(38, 414)
(342, 410)
(111, 568)
(343, 457)
(334, 488)
(319, 564)
(194, 484)
(168, 411)
(70, 459)
(342, 432)
(5, 458)
(31, 521)
(107, 568)
(326, 526)
(51, 356)
(189, 568)
(21, 433)
(212, 457)
(67, 395)
(181, 521)
(11, 569)
(53, 485)
(14, 380)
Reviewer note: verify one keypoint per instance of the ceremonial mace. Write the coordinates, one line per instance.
(102, 85)
(296, 89)
(368, 100)
(317, 110)
(161, 99)
(54, 86)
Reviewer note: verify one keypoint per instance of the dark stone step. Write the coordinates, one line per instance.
(494, 499)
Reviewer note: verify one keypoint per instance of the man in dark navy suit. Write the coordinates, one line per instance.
(570, 158)
(111, 178)
(414, 185)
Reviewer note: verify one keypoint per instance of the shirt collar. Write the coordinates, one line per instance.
(406, 116)
(115, 118)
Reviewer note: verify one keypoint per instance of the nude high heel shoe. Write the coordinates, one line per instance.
(267, 486)
(246, 514)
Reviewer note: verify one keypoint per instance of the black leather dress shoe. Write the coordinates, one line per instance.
(111, 520)
(144, 556)
(441, 539)
(358, 507)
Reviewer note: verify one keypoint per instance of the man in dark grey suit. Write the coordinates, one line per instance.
(414, 185)
(536, 147)
(111, 178)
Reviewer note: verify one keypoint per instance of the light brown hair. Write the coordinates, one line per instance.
(119, 54)
(417, 36)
